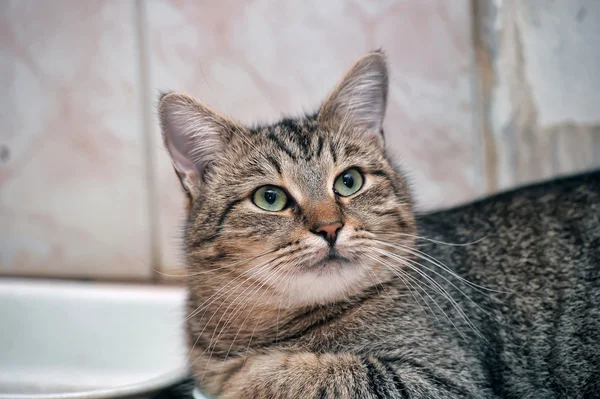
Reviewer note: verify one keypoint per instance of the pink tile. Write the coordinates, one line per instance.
(259, 59)
(72, 178)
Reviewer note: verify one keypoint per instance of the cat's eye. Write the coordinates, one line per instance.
(348, 182)
(270, 198)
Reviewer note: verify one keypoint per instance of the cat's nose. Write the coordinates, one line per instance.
(328, 231)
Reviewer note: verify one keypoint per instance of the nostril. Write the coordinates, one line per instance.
(323, 234)
(328, 231)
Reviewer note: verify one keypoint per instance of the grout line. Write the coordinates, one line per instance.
(121, 280)
(147, 130)
(482, 32)
(477, 135)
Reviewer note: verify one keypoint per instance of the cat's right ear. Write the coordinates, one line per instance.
(359, 99)
(195, 137)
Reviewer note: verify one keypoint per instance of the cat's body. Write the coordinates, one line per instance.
(541, 246)
(341, 292)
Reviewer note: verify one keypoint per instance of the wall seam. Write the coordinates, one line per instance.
(483, 84)
(147, 130)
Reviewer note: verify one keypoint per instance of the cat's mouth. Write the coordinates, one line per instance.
(332, 258)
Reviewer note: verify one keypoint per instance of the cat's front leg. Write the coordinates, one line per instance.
(312, 375)
(298, 375)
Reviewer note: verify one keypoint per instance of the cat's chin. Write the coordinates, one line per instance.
(330, 279)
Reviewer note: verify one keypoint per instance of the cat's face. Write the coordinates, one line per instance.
(299, 207)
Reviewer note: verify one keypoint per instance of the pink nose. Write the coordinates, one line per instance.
(328, 231)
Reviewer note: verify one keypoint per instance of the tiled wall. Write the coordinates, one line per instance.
(86, 189)
(540, 92)
(73, 180)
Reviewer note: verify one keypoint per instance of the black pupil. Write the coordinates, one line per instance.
(348, 180)
(270, 196)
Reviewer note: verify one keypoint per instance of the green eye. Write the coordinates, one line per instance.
(348, 183)
(270, 198)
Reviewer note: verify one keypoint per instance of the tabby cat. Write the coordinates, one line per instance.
(310, 276)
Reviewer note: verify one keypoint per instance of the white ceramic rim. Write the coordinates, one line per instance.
(138, 388)
(196, 394)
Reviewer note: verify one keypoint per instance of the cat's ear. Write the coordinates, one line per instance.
(359, 99)
(195, 137)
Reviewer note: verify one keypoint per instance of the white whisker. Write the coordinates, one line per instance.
(405, 279)
(437, 263)
(394, 269)
(416, 264)
(440, 288)
(261, 266)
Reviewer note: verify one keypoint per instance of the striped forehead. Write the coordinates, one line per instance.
(301, 153)
(298, 139)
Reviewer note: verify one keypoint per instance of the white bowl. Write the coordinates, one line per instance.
(89, 340)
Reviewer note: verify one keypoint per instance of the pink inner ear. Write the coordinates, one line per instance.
(179, 144)
(194, 135)
(361, 96)
(182, 163)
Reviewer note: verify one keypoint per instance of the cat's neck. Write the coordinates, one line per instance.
(238, 322)
(241, 317)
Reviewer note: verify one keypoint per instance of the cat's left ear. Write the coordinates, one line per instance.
(359, 100)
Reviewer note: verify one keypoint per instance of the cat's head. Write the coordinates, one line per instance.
(304, 206)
